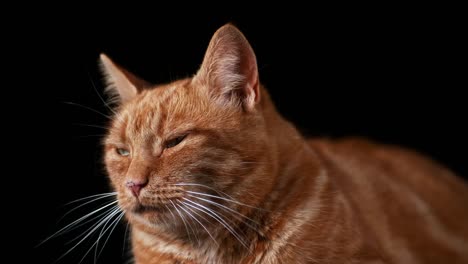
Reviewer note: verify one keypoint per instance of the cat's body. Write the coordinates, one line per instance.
(207, 171)
(409, 207)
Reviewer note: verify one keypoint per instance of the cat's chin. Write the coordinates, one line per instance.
(150, 214)
(151, 219)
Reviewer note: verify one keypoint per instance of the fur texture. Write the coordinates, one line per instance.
(207, 171)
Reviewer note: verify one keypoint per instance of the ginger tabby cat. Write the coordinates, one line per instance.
(207, 171)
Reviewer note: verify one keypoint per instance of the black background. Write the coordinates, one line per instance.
(391, 75)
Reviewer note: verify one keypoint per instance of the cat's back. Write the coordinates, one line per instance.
(415, 208)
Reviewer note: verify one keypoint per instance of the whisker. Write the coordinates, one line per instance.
(182, 207)
(226, 208)
(183, 220)
(102, 215)
(88, 108)
(195, 212)
(125, 239)
(162, 219)
(190, 225)
(226, 199)
(87, 235)
(99, 197)
(116, 221)
(95, 135)
(101, 233)
(97, 241)
(229, 198)
(131, 260)
(64, 229)
(193, 230)
(100, 97)
(234, 214)
(92, 196)
(202, 185)
(89, 125)
(170, 211)
(218, 218)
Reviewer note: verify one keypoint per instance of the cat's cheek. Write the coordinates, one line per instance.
(120, 167)
(117, 169)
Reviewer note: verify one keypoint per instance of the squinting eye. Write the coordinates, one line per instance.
(174, 142)
(123, 152)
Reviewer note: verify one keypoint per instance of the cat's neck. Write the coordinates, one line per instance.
(299, 170)
(285, 136)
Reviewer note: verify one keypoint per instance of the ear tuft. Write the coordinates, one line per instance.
(229, 68)
(122, 85)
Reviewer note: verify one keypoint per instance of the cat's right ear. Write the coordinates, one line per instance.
(230, 70)
(122, 85)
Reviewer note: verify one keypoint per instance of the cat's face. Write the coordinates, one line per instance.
(172, 136)
(172, 148)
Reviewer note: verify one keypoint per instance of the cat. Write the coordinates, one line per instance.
(207, 171)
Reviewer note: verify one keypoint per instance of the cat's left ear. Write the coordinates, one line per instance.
(229, 69)
(121, 84)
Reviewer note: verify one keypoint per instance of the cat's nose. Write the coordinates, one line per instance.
(136, 186)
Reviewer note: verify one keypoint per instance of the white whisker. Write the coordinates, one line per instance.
(125, 238)
(95, 135)
(99, 197)
(88, 108)
(202, 185)
(226, 208)
(116, 221)
(190, 225)
(92, 196)
(226, 199)
(100, 216)
(183, 220)
(101, 233)
(193, 230)
(182, 207)
(100, 97)
(97, 241)
(218, 218)
(90, 125)
(88, 235)
(170, 211)
(64, 229)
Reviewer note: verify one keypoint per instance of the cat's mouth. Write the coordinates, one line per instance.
(145, 209)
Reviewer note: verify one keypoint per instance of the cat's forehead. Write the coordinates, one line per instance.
(158, 98)
(159, 108)
(162, 93)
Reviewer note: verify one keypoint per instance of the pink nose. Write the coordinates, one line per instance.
(135, 187)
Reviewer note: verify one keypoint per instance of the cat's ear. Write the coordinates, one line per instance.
(121, 84)
(229, 68)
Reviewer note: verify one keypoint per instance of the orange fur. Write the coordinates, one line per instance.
(290, 200)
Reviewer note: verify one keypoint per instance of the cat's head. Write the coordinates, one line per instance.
(192, 145)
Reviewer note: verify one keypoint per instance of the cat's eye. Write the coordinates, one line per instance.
(174, 142)
(123, 152)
